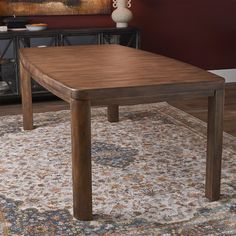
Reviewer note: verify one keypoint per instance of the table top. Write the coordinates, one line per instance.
(92, 71)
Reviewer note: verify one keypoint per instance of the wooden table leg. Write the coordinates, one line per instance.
(113, 113)
(26, 95)
(214, 145)
(81, 159)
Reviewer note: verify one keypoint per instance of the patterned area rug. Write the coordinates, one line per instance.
(148, 176)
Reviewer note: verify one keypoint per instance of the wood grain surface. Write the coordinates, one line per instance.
(112, 71)
(83, 74)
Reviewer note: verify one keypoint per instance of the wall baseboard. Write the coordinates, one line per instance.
(228, 74)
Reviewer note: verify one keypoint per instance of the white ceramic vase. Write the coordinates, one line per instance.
(121, 15)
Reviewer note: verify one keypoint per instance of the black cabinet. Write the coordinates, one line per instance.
(12, 41)
(8, 66)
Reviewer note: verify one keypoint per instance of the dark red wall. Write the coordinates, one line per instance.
(83, 21)
(200, 32)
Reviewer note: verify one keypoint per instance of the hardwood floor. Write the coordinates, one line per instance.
(195, 107)
(198, 108)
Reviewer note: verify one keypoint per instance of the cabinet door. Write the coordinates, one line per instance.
(37, 41)
(79, 39)
(129, 38)
(8, 76)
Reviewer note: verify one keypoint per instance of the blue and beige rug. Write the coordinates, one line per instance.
(148, 176)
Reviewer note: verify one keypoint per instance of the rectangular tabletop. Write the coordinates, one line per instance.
(112, 71)
(114, 75)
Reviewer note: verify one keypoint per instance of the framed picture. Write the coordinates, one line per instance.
(54, 7)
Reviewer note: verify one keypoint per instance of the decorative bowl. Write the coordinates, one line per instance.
(36, 27)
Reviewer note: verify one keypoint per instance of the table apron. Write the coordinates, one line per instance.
(132, 99)
(66, 96)
(151, 99)
(163, 91)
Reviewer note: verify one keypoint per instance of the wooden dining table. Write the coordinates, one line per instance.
(114, 75)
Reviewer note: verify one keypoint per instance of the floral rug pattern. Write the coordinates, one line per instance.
(148, 176)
